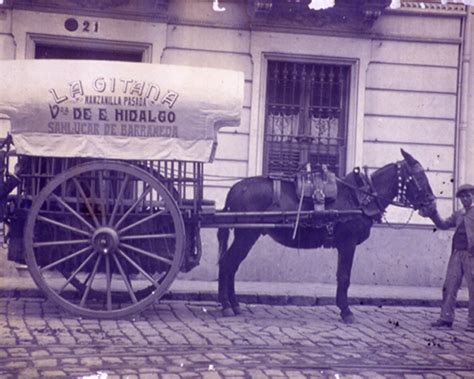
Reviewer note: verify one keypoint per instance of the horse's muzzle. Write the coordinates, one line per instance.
(428, 203)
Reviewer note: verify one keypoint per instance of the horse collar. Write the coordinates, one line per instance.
(374, 193)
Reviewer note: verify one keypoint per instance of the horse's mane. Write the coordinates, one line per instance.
(379, 171)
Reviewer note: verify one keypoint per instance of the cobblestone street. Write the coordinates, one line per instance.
(190, 340)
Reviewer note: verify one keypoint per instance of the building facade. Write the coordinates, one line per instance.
(347, 86)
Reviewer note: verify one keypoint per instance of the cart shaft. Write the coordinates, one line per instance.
(272, 219)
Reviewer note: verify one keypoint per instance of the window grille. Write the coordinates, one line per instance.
(306, 116)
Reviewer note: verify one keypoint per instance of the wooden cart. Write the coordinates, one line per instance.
(111, 183)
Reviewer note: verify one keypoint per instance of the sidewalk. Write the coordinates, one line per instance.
(273, 293)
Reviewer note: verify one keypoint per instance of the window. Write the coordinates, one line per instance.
(306, 116)
(62, 52)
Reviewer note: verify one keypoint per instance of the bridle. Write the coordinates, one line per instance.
(405, 175)
(412, 175)
(401, 199)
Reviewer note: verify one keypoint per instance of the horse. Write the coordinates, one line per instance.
(404, 181)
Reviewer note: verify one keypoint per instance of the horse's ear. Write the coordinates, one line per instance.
(408, 158)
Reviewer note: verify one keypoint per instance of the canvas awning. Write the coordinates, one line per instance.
(118, 110)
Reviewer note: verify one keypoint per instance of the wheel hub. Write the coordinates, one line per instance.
(105, 240)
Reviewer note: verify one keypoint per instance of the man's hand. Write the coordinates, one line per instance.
(428, 210)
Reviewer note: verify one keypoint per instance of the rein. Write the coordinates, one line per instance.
(403, 224)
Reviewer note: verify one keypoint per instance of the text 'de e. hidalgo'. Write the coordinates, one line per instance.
(128, 108)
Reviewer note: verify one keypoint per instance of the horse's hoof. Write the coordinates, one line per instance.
(237, 310)
(227, 312)
(348, 318)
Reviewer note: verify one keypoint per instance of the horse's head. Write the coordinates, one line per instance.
(413, 186)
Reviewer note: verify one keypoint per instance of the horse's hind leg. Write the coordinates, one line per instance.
(344, 268)
(229, 263)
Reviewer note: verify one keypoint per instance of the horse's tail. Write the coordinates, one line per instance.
(223, 237)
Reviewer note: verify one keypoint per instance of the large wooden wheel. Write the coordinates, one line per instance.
(104, 239)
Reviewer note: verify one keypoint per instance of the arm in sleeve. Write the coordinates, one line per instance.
(444, 224)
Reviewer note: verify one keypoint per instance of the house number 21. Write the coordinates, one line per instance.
(90, 27)
(72, 25)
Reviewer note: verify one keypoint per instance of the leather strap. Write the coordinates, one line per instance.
(276, 192)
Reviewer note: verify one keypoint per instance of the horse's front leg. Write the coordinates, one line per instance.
(344, 268)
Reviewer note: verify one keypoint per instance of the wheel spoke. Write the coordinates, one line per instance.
(145, 219)
(77, 215)
(64, 226)
(108, 276)
(147, 253)
(148, 236)
(60, 243)
(118, 200)
(134, 264)
(140, 198)
(89, 282)
(86, 201)
(73, 275)
(102, 196)
(125, 279)
(64, 259)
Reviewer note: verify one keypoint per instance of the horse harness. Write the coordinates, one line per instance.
(366, 194)
(317, 187)
(370, 200)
